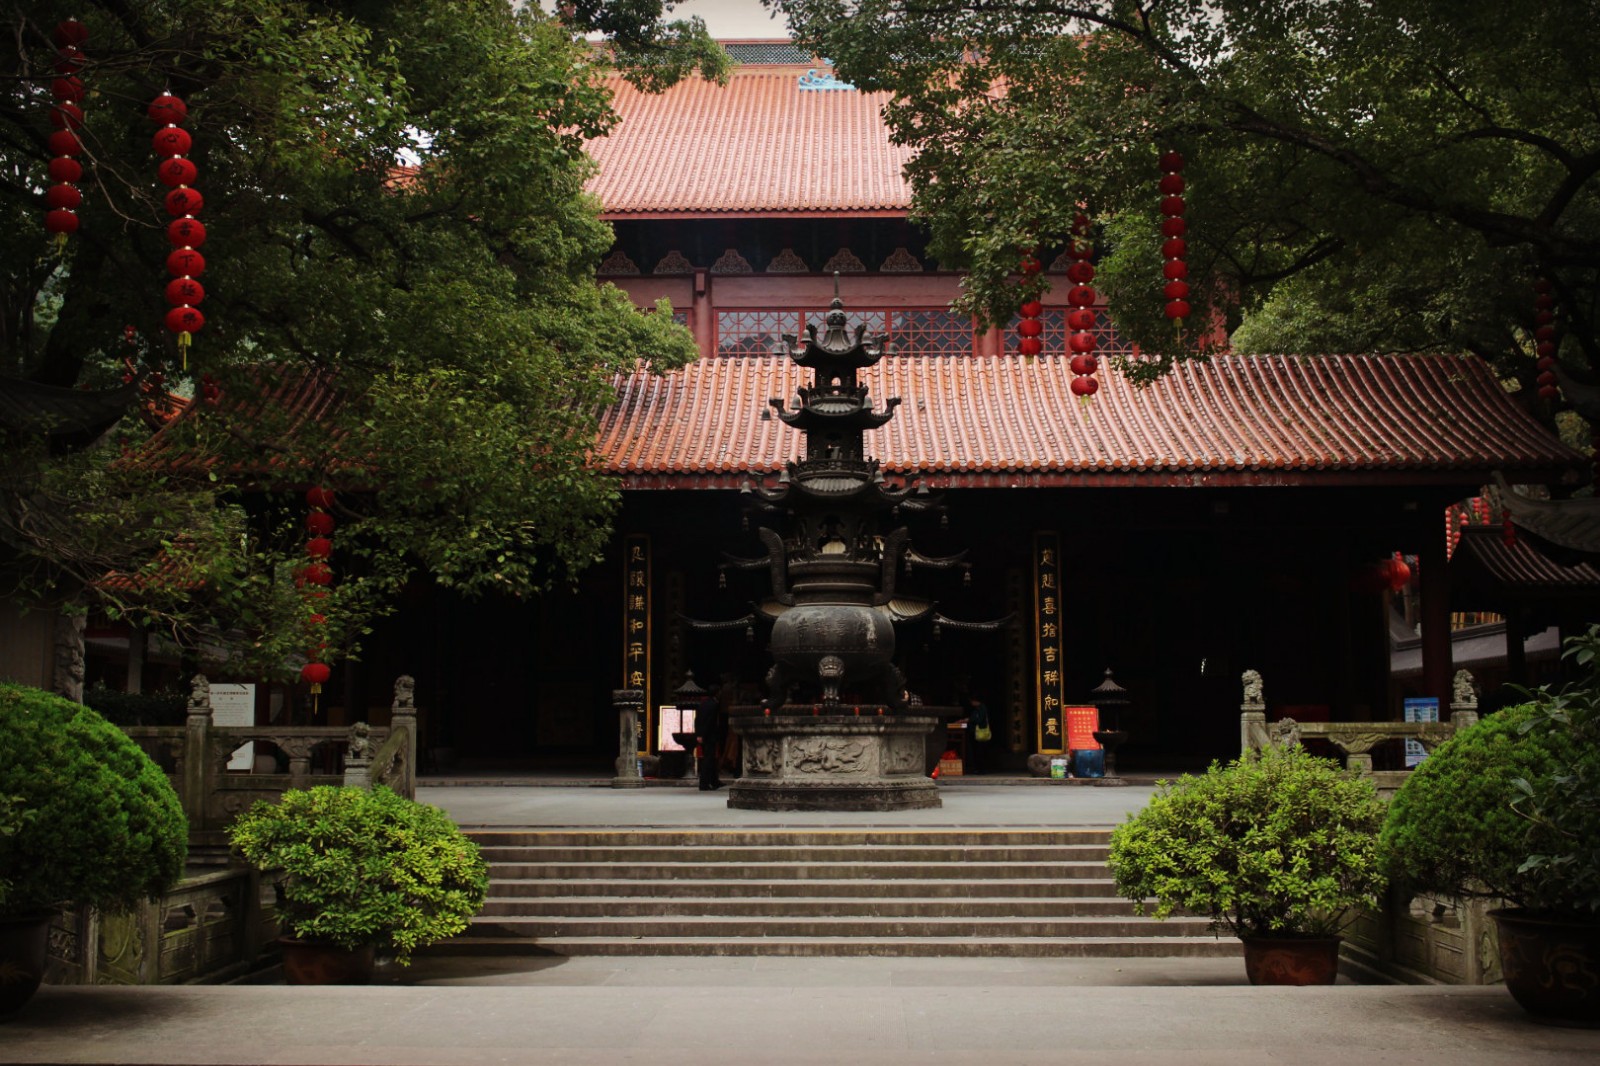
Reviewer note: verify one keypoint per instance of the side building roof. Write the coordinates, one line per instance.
(761, 146)
(1009, 421)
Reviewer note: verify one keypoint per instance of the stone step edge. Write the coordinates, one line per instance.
(1060, 947)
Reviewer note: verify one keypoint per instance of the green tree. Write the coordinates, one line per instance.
(1361, 174)
(396, 214)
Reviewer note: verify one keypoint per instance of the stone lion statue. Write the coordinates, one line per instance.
(1252, 687)
(1284, 733)
(360, 741)
(1463, 692)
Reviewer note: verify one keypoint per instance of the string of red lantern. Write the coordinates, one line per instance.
(1544, 335)
(185, 233)
(1030, 330)
(1173, 227)
(63, 197)
(1080, 319)
(314, 578)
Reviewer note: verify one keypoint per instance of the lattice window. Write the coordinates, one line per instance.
(931, 333)
(1108, 342)
(912, 332)
(754, 332)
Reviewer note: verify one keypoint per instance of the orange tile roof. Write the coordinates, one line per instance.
(761, 146)
(1259, 420)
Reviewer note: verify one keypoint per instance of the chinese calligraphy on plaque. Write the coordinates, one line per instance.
(1047, 635)
(636, 621)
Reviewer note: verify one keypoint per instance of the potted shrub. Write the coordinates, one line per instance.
(85, 819)
(1274, 847)
(366, 870)
(1509, 810)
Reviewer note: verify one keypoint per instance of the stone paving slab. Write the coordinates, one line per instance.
(788, 1012)
(968, 804)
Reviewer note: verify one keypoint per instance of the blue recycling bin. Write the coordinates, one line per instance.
(1087, 763)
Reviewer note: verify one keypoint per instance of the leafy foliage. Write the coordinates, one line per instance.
(1361, 174)
(92, 820)
(365, 867)
(1452, 827)
(136, 708)
(395, 200)
(1275, 843)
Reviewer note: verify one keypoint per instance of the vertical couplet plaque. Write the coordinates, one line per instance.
(1047, 637)
(636, 627)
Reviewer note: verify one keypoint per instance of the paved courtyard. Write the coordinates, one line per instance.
(715, 1011)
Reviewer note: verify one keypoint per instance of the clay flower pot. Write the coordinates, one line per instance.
(23, 938)
(313, 962)
(1279, 960)
(1552, 967)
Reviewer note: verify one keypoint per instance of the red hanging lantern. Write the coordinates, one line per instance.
(1030, 327)
(184, 232)
(1548, 343)
(315, 574)
(319, 523)
(1081, 319)
(1508, 530)
(1175, 248)
(1031, 309)
(1030, 346)
(1028, 265)
(63, 198)
(320, 498)
(315, 674)
(1399, 574)
(319, 547)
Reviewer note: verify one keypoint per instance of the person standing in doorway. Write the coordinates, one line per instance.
(710, 730)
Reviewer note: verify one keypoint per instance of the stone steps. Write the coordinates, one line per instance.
(834, 892)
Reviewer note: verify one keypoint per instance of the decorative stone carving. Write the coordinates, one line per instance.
(762, 757)
(360, 745)
(824, 80)
(617, 265)
(1284, 733)
(844, 261)
(199, 693)
(1059, 264)
(731, 262)
(1463, 695)
(1355, 743)
(786, 262)
(828, 755)
(903, 756)
(1252, 689)
(674, 263)
(901, 261)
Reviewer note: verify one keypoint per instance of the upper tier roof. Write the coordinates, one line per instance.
(759, 147)
(980, 422)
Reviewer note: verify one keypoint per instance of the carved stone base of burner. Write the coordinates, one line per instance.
(835, 762)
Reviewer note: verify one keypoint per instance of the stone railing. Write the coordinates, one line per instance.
(196, 758)
(1412, 940)
(1355, 740)
(212, 926)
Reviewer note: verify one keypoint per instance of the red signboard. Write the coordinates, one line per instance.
(1081, 724)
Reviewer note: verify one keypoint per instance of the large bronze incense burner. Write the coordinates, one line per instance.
(833, 603)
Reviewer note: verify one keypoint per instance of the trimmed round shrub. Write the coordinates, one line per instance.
(1451, 827)
(1278, 843)
(93, 820)
(365, 867)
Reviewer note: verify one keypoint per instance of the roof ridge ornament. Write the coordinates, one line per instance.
(822, 80)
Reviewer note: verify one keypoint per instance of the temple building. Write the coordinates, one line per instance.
(1237, 514)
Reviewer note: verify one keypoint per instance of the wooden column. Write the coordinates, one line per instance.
(1437, 668)
(701, 322)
